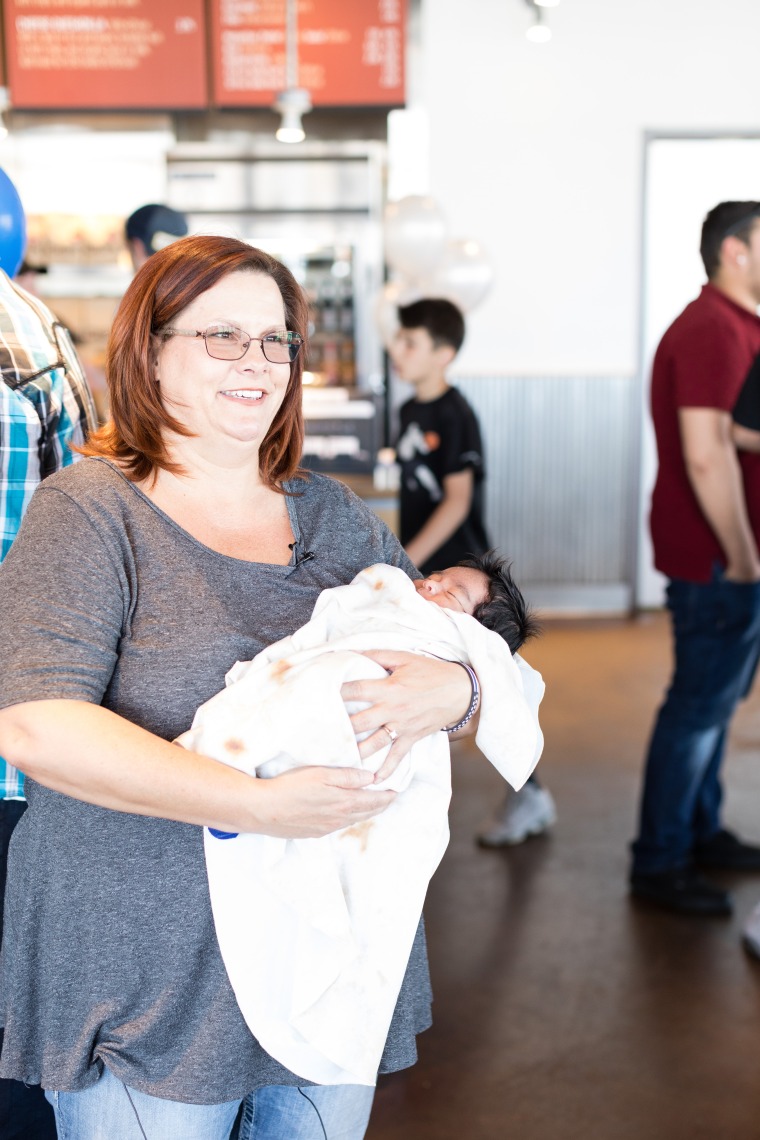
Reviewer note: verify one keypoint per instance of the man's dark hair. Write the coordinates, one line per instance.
(727, 219)
(505, 612)
(442, 319)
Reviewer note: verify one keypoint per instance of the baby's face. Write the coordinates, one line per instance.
(459, 588)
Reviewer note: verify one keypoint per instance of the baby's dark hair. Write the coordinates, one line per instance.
(505, 612)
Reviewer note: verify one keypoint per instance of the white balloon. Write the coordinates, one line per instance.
(415, 235)
(464, 276)
(385, 306)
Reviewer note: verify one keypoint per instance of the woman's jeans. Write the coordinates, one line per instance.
(109, 1110)
(716, 631)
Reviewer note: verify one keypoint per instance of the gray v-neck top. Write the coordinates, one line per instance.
(109, 952)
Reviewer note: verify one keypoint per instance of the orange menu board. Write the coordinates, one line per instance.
(350, 52)
(106, 54)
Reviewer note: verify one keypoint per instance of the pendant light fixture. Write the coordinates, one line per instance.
(294, 101)
(539, 31)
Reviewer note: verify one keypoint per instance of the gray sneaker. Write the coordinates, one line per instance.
(527, 812)
(751, 933)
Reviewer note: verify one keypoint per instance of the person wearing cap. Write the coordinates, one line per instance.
(152, 228)
(705, 523)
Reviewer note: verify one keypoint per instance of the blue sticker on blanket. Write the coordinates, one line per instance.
(223, 834)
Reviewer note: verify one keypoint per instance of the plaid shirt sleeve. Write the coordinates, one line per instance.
(45, 409)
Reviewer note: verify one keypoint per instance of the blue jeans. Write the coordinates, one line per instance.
(109, 1110)
(338, 1112)
(716, 632)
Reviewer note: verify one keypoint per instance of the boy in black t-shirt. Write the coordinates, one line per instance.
(439, 446)
(441, 498)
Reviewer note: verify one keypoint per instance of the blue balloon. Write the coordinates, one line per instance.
(12, 226)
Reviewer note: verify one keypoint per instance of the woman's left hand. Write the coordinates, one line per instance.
(421, 695)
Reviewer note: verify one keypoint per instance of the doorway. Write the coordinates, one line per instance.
(684, 177)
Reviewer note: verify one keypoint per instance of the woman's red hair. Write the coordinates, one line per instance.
(167, 283)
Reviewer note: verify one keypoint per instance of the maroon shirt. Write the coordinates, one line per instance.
(702, 361)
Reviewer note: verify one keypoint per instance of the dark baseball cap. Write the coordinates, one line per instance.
(156, 226)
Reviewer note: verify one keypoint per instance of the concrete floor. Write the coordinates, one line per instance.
(563, 1011)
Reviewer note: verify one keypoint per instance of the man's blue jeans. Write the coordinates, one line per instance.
(716, 632)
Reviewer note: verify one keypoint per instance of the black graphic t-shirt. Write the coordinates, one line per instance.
(436, 439)
(747, 407)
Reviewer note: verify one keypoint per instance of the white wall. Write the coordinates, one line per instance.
(536, 151)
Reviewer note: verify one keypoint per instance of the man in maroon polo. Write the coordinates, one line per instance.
(705, 523)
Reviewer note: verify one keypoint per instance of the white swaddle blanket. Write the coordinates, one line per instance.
(316, 934)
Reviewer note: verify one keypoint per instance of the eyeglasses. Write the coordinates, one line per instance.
(226, 342)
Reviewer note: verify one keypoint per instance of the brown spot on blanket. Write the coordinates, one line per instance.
(359, 831)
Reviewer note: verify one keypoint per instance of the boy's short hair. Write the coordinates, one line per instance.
(505, 612)
(727, 219)
(441, 318)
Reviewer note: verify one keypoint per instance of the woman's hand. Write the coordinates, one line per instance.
(421, 695)
(306, 803)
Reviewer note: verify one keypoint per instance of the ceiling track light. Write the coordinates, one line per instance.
(294, 101)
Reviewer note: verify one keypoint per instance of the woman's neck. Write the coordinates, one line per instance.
(230, 467)
(228, 507)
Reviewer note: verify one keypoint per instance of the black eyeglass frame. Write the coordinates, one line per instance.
(293, 346)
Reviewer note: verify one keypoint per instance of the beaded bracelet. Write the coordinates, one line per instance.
(474, 701)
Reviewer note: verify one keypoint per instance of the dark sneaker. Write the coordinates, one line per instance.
(682, 891)
(725, 851)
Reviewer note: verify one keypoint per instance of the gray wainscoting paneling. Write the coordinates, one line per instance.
(561, 461)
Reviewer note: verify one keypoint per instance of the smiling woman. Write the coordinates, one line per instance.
(189, 287)
(188, 539)
(226, 399)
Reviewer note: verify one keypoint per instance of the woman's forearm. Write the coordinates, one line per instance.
(92, 754)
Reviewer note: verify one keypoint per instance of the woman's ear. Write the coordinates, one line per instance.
(445, 354)
(155, 345)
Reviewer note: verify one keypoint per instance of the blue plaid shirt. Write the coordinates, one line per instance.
(45, 407)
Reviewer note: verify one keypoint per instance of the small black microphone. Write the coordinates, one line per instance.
(300, 558)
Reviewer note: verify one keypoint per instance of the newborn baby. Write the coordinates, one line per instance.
(347, 906)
